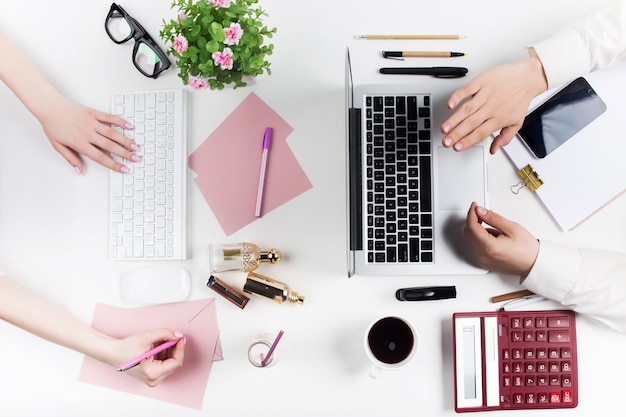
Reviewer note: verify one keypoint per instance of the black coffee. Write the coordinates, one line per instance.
(390, 340)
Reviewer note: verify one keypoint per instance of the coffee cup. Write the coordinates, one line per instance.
(390, 344)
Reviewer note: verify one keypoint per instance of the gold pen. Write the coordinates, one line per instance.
(511, 296)
(421, 54)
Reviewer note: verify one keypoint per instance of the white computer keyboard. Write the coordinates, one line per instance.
(148, 204)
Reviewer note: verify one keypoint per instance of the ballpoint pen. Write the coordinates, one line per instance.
(439, 72)
(149, 354)
(266, 146)
(421, 54)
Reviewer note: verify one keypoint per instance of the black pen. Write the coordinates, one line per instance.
(425, 293)
(421, 54)
(439, 72)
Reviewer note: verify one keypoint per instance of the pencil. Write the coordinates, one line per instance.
(405, 37)
(511, 296)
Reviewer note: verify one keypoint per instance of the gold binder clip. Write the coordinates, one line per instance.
(529, 179)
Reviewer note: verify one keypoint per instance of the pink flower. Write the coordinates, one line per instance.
(181, 17)
(224, 59)
(198, 83)
(233, 34)
(180, 44)
(221, 3)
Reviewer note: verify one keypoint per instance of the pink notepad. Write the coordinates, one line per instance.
(228, 164)
(196, 319)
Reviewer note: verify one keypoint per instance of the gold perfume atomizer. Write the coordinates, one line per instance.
(240, 257)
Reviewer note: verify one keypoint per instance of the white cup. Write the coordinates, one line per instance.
(259, 348)
(390, 343)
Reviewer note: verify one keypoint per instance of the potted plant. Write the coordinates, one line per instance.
(218, 42)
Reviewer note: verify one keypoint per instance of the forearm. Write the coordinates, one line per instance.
(31, 312)
(593, 43)
(23, 78)
(592, 282)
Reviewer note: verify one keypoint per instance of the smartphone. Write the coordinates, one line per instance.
(560, 117)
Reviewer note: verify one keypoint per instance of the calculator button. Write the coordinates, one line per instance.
(542, 380)
(555, 397)
(566, 382)
(558, 336)
(529, 323)
(543, 398)
(566, 353)
(567, 396)
(540, 322)
(558, 321)
(531, 398)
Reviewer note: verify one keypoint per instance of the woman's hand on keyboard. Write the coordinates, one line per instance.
(504, 246)
(75, 130)
(498, 99)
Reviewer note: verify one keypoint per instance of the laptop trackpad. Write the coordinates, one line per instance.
(461, 177)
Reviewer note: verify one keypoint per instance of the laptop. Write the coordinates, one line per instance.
(394, 145)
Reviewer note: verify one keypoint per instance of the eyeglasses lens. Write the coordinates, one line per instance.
(147, 60)
(118, 28)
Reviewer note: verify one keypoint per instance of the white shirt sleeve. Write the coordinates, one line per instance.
(591, 282)
(593, 43)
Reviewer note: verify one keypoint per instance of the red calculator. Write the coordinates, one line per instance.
(510, 360)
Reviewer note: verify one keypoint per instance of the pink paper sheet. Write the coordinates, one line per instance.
(197, 319)
(228, 163)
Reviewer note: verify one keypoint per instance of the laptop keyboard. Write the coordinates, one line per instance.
(398, 179)
(148, 204)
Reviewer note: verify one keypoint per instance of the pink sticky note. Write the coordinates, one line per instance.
(228, 164)
(196, 319)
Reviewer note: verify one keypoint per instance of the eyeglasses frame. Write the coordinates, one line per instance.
(139, 34)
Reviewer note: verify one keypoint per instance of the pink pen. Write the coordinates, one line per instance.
(149, 354)
(266, 146)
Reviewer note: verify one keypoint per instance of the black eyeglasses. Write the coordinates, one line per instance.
(148, 58)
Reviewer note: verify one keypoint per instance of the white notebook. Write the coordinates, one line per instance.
(586, 172)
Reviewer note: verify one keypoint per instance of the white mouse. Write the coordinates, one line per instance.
(154, 285)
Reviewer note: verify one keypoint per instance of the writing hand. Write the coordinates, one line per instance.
(151, 371)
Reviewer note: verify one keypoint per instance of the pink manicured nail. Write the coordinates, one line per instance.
(135, 158)
(77, 170)
(127, 125)
(124, 170)
(481, 210)
(134, 147)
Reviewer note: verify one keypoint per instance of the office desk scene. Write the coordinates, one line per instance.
(264, 169)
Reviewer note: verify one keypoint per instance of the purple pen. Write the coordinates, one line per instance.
(266, 146)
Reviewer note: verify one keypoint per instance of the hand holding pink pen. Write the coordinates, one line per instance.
(149, 354)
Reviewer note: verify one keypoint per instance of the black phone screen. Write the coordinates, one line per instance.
(560, 117)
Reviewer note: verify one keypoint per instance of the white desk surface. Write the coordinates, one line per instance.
(53, 223)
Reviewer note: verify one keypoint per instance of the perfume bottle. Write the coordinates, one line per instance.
(240, 257)
(270, 288)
